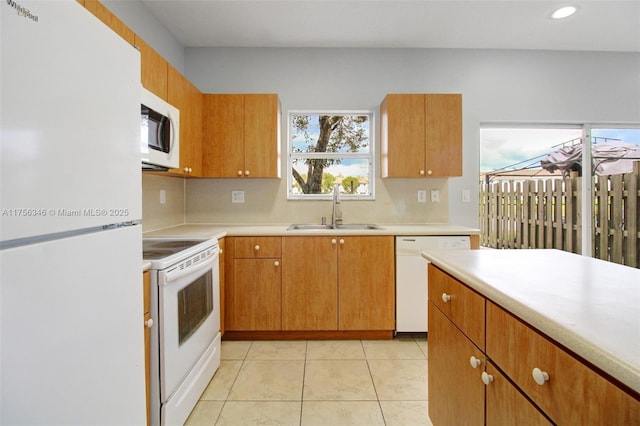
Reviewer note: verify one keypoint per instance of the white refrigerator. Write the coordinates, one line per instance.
(71, 301)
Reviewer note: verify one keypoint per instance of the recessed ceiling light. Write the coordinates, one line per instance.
(563, 12)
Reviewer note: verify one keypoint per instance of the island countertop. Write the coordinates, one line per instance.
(590, 306)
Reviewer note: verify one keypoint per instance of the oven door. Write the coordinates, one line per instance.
(189, 307)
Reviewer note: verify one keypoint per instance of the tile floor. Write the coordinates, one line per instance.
(352, 382)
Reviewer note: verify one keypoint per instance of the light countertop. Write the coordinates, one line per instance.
(221, 230)
(590, 306)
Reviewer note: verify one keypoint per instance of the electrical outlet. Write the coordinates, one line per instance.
(237, 196)
(422, 195)
(466, 196)
(435, 196)
(163, 196)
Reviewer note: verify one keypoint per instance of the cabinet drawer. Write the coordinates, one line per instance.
(462, 305)
(257, 247)
(573, 393)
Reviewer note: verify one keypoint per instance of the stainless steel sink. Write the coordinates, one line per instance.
(359, 226)
(345, 226)
(307, 226)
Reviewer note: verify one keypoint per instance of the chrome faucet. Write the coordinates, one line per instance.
(336, 213)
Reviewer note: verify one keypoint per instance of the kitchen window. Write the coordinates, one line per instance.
(328, 148)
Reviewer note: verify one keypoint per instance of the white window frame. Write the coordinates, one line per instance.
(370, 156)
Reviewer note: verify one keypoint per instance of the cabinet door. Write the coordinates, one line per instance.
(507, 406)
(154, 69)
(573, 393)
(261, 136)
(443, 135)
(188, 99)
(257, 294)
(456, 391)
(223, 139)
(366, 283)
(403, 135)
(309, 283)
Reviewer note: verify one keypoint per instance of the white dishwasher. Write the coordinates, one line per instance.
(411, 277)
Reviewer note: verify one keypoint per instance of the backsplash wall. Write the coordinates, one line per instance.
(209, 200)
(156, 215)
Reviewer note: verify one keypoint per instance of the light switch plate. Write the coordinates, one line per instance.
(466, 196)
(422, 195)
(435, 196)
(163, 196)
(237, 196)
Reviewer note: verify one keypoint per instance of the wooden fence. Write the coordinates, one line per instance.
(546, 213)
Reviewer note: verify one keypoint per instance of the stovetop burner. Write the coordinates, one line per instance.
(153, 249)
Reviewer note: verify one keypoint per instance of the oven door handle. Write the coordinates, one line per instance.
(175, 272)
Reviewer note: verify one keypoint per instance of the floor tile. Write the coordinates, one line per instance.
(322, 413)
(335, 349)
(232, 349)
(344, 382)
(422, 343)
(278, 350)
(269, 381)
(250, 413)
(400, 379)
(205, 413)
(393, 349)
(338, 380)
(220, 385)
(405, 413)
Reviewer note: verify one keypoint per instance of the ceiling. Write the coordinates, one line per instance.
(598, 25)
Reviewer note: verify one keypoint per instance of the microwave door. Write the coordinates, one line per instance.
(158, 131)
(165, 135)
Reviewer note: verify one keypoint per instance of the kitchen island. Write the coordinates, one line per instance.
(537, 311)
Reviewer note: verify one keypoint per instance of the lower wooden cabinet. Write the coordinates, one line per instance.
(570, 392)
(309, 283)
(326, 284)
(366, 283)
(456, 393)
(499, 385)
(256, 301)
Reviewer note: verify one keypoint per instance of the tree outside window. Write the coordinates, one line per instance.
(329, 148)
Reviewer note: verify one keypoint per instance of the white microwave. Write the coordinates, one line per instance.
(159, 133)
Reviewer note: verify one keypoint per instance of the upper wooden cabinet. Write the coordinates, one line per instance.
(154, 69)
(241, 135)
(421, 135)
(105, 15)
(188, 99)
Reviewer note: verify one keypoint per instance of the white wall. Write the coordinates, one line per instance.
(497, 86)
(137, 17)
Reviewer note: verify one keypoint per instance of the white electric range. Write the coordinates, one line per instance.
(185, 346)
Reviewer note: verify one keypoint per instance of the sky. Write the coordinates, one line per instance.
(516, 148)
